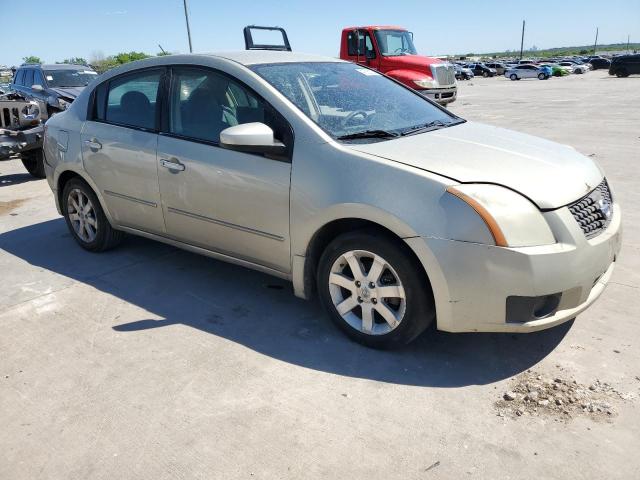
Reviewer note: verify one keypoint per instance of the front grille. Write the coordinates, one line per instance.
(593, 212)
(444, 74)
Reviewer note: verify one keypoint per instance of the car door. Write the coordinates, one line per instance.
(119, 143)
(226, 201)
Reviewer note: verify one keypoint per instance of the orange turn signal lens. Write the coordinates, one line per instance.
(492, 225)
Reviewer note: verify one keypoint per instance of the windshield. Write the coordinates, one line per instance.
(345, 98)
(395, 42)
(69, 78)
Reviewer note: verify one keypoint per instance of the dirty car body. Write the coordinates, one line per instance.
(477, 227)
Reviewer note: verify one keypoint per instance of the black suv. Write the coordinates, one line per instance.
(598, 62)
(56, 86)
(625, 65)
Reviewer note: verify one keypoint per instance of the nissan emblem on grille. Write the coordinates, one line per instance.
(593, 212)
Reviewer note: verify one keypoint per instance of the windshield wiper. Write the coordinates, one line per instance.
(426, 126)
(368, 134)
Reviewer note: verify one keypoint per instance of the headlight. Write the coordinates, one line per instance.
(511, 218)
(426, 83)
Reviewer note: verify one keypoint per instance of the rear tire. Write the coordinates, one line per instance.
(369, 316)
(86, 219)
(33, 161)
(541, 76)
(622, 73)
(513, 77)
(485, 74)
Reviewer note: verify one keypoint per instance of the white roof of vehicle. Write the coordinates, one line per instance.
(253, 57)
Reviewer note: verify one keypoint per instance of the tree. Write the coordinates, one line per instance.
(74, 61)
(32, 59)
(162, 54)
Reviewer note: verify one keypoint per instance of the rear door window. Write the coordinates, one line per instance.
(28, 78)
(132, 99)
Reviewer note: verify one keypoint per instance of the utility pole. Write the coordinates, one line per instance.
(522, 40)
(596, 42)
(628, 51)
(186, 16)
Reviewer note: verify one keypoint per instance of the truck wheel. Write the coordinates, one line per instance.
(370, 287)
(541, 76)
(513, 76)
(86, 219)
(34, 163)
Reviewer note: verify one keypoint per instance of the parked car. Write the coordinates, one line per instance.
(527, 71)
(55, 86)
(463, 73)
(625, 65)
(498, 67)
(332, 175)
(556, 70)
(574, 67)
(480, 69)
(598, 63)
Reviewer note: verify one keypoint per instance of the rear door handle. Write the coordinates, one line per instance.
(93, 144)
(172, 164)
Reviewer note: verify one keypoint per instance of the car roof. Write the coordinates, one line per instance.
(55, 66)
(255, 57)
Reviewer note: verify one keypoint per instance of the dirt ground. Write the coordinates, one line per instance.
(148, 362)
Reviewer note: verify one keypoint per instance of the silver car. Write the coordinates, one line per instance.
(394, 211)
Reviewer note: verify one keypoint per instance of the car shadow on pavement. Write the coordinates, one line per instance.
(16, 179)
(261, 313)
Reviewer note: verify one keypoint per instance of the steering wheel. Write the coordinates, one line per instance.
(354, 114)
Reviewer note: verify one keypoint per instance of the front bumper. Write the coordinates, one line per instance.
(441, 95)
(471, 282)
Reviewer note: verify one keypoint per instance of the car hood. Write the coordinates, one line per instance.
(411, 61)
(550, 174)
(68, 92)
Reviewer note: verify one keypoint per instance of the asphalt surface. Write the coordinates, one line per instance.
(148, 362)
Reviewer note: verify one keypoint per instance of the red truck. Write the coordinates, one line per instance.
(390, 50)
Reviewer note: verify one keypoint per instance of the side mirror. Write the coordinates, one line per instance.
(37, 88)
(253, 137)
(370, 54)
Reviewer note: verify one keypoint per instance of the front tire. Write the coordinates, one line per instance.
(513, 77)
(622, 74)
(33, 161)
(86, 219)
(370, 287)
(541, 76)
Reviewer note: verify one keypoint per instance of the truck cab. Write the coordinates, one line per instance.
(391, 51)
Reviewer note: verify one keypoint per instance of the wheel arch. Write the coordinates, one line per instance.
(65, 176)
(305, 266)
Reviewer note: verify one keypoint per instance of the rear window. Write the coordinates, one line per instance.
(132, 99)
(19, 77)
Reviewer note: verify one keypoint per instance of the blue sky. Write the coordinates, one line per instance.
(82, 28)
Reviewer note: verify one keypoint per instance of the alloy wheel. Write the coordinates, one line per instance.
(367, 292)
(82, 215)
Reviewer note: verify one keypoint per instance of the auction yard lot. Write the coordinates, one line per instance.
(150, 362)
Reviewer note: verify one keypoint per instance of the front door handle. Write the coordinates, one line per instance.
(93, 144)
(172, 164)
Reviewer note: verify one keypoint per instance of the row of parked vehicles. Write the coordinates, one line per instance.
(620, 66)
